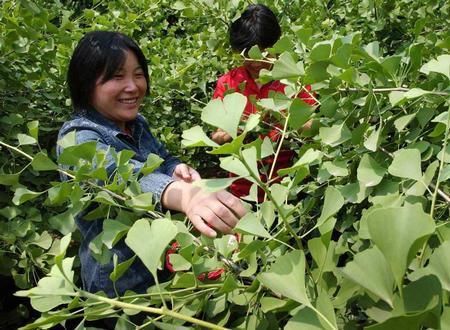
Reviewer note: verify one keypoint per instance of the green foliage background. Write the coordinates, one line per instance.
(378, 152)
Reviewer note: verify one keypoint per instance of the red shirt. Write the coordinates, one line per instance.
(240, 81)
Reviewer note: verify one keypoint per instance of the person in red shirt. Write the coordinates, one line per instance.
(259, 26)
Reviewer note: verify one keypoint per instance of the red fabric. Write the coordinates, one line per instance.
(240, 81)
(212, 275)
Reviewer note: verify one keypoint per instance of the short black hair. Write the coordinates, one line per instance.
(257, 25)
(99, 53)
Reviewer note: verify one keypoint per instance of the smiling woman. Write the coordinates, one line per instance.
(119, 98)
(108, 79)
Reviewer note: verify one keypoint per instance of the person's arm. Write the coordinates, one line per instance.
(220, 210)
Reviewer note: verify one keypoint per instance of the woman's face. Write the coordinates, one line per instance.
(119, 98)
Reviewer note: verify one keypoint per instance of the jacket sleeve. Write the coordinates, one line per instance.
(170, 162)
(155, 182)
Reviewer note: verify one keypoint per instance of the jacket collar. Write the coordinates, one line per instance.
(99, 119)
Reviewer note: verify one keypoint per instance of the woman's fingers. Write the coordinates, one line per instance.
(223, 214)
(232, 203)
(213, 220)
(194, 174)
(184, 171)
(201, 226)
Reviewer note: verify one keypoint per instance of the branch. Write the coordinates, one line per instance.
(388, 90)
(159, 311)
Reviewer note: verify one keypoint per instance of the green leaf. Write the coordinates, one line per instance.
(143, 202)
(234, 165)
(439, 264)
(196, 137)
(369, 172)
(68, 140)
(332, 204)
(370, 270)
(64, 222)
(179, 264)
(252, 121)
(279, 193)
(419, 308)
(213, 185)
(152, 163)
(230, 148)
(105, 198)
(335, 135)
(406, 164)
(285, 67)
(270, 303)
(416, 92)
(396, 97)
(287, 277)
(9, 179)
(149, 243)
(320, 52)
(25, 139)
(33, 128)
(409, 227)
(251, 224)
(41, 162)
(300, 112)
(305, 319)
(373, 140)
(403, 121)
(250, 157)
(21, 195)
(420, 187)
(304, 34)
(225, 114)
(72, 155)
(440, 65)
(113, 231)
(255, 53)
(121, 268)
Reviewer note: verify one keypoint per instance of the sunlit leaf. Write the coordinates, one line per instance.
(406, 164)
(409, 227)
(225, 114)
(150, 242)
(287, 277)
(369, 172)
(370, 270)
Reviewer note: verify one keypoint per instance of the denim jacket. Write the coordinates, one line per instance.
(92, 126)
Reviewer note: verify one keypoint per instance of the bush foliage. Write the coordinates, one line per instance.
(355, 235)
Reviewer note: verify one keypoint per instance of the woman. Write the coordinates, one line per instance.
(108, 80)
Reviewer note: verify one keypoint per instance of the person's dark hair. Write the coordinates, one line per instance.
(99, 54)
(257, 25)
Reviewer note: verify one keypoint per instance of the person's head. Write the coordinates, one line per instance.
(108, 73)
(258, 26)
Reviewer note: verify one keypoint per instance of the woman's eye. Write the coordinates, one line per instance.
(118, 76)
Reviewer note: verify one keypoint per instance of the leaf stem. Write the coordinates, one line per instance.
(323, 317)
(387, 90)
(441, 164)
(263, 186)
(153, 310)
